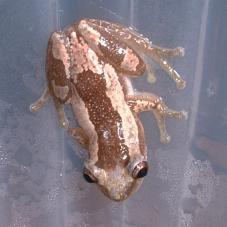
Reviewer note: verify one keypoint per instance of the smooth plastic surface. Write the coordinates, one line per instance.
(41, 183)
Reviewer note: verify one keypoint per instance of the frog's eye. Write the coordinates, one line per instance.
(88, 176)
(140, 170)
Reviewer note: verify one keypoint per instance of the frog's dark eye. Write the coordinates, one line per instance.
(88, 176)
(140, 170)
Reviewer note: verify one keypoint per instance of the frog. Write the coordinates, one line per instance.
(89, 66)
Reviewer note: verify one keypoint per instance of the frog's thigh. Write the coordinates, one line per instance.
(103, 40)
(41, 101)
(151, 102)
(80, 136)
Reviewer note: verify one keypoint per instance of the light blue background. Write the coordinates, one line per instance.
(41, 182)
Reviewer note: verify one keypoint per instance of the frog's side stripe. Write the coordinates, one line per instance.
(115, 93)
(83, 119)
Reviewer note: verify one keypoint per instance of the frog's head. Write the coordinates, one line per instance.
(120, 182)
(118, 162)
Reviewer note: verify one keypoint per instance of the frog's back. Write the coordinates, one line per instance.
(107, 115)
(92, 89)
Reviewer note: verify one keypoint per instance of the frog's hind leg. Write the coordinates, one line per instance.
(133, 47)
(41, 101)
(145, 48)
(151, 102)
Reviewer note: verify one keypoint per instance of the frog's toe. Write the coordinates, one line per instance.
(166, 138)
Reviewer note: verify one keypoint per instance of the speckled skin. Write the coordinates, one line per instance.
(86, 67)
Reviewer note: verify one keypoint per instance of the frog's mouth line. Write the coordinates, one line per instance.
(118, 195)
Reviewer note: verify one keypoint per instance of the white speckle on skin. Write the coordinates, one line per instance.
(130, 61)
(83, 58)
(93, 62)
(89, 32)
(60, 51)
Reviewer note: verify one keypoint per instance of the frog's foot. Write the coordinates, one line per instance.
(165, 52)
(158, 54)
(151, 102)
(41, 101)
(173, 74)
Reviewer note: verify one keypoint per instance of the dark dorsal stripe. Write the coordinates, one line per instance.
(91, 88)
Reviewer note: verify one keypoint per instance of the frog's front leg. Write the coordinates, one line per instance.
(59, 107)
(41, 101)
(63, 121)
(151, 102)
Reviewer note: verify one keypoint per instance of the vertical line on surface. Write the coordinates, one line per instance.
(182, 220)
(131, 15)
(198, 71)
(55, 15)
